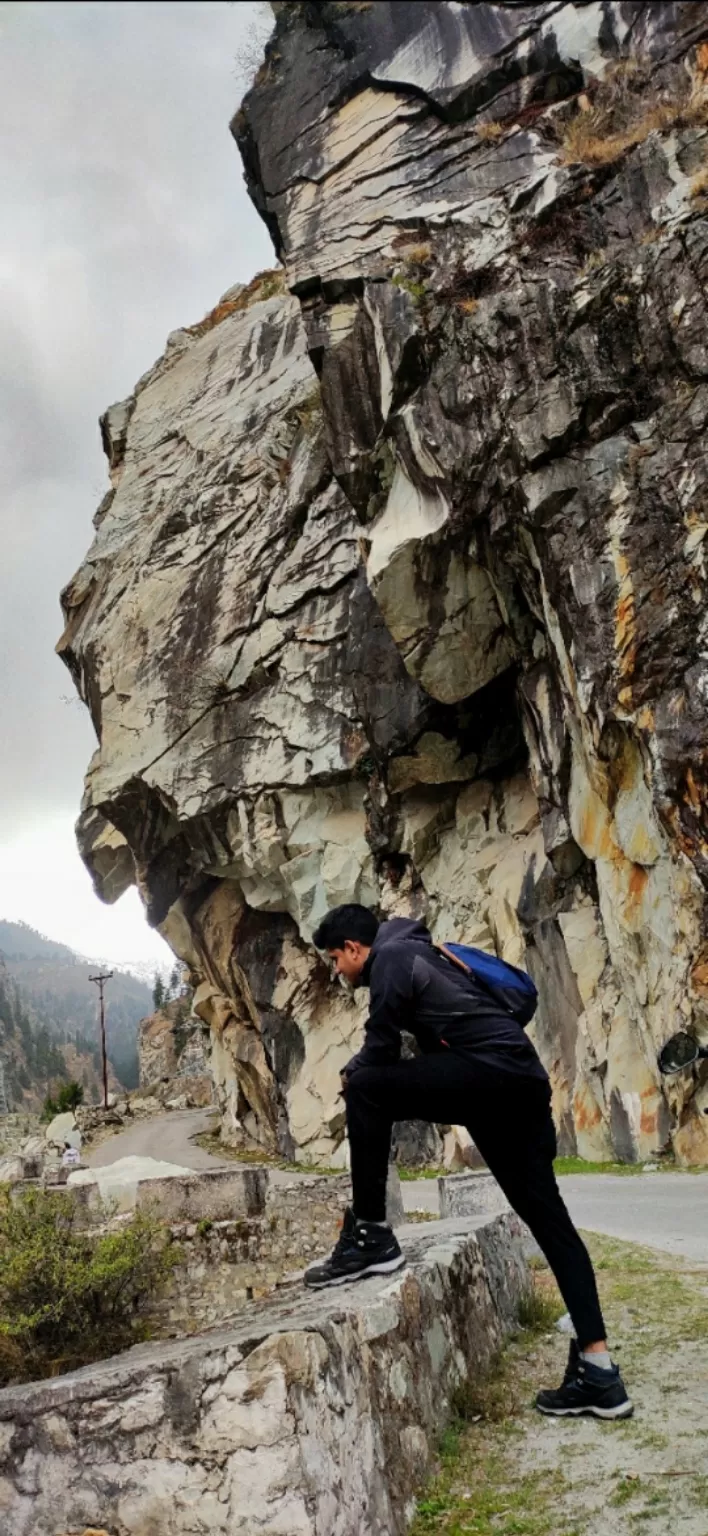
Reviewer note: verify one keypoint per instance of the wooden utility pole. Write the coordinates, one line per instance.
(100, 982)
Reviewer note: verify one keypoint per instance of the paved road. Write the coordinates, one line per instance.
(167, 1137)
(662, 1210)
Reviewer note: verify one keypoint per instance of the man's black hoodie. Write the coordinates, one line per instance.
(415, 988)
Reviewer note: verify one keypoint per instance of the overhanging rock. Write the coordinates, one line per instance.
(250, 1432)
(399, 594)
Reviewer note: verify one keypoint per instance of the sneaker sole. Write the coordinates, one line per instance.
(385, 1267)
(622, 1411)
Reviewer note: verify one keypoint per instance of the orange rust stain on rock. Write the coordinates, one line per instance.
(585, 1113)
(595, 833)
(648, 1122)
(649, 1111)
(638, 882)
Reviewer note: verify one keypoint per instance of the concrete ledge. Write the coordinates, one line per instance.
(316, 1416)
(219, 1195)
(471, 1194)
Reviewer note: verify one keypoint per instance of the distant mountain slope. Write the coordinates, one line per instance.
(55, 983)
(37, 1060)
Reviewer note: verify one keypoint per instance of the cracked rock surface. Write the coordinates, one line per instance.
(399, 593)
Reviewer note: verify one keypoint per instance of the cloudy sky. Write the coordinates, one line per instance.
(124, 216)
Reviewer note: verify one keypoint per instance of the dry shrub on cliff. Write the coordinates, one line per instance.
(622, 114)
(490, 131)
(68, 1297)
(265, 285)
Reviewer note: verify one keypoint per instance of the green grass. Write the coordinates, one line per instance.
(409, 1174)
(659, 1164)
(579, 1165)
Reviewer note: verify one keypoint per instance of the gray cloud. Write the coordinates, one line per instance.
(125, 215)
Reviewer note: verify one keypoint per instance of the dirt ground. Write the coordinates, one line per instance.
(508, 1471)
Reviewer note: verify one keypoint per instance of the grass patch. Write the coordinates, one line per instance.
(623, 114)
(579, 1165)
(417, 290)
(408, 1175)
(659, 1165)
(541, 1308)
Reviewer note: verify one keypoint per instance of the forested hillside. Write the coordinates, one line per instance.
(38, 1060)
(59, 1003)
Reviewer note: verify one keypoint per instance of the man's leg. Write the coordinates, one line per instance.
(425, 1088)
(519, 1151)
(522, 1163)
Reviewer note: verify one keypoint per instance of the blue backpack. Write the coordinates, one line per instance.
(511, 988)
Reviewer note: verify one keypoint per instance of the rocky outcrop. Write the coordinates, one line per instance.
(251, 1428)
(399, 591)
(173, 1056)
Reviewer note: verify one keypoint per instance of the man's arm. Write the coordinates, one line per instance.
(391, 1001)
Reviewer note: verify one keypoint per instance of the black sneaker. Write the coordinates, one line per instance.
(587, 1389)
(362, 1249)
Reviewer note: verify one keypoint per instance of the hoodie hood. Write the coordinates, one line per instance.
(396, 928)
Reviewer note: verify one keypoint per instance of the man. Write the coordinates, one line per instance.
(476, 1068)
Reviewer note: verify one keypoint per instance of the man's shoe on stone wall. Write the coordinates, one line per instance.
(363, 1249)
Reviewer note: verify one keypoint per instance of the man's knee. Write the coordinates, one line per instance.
(361, 1082)
(365, 1088)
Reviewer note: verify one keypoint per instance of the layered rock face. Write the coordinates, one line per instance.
(173, 1057)
(399, 592)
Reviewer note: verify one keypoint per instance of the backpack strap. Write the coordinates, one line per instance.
(443, 950)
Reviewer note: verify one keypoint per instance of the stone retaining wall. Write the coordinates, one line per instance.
(226, 1264)
(314, 1417)
(273, 1231)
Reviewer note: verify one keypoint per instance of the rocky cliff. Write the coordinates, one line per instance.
(399, 592)
(174, 1056)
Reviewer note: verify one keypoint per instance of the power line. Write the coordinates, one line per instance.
(100, 982)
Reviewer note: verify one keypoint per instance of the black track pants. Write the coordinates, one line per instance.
(509, 1119)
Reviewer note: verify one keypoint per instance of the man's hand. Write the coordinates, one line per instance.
(343, 1081)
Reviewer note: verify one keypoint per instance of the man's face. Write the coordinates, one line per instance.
(349, 962)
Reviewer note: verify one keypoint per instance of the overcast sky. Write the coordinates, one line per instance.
(124, 215)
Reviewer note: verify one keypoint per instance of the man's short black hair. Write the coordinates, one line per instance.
(348, 922)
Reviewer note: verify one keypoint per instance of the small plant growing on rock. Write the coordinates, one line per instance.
(68, 1296)
(490, 131)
